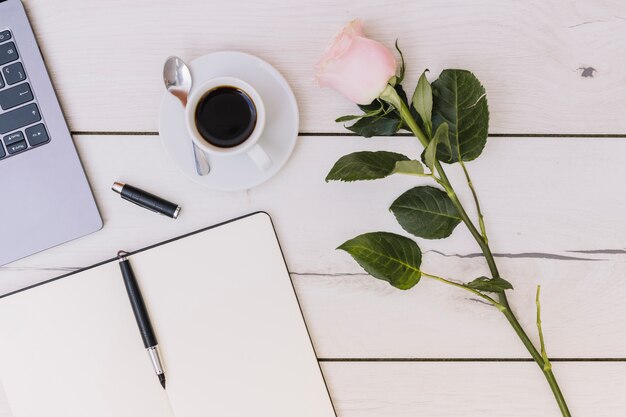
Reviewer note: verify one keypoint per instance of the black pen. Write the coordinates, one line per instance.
(146, 200)
(141, 315)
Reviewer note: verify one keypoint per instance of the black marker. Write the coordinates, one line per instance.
(141, 315)
(146, 200)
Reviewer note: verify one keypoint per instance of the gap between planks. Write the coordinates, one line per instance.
(468, 360)
(491, 135)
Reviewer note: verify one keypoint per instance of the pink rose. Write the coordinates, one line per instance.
(357, 67)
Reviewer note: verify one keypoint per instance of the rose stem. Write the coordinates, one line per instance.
(392, 97)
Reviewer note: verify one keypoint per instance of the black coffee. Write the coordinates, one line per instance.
(225, 117)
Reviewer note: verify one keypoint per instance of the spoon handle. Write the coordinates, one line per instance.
(202, 165)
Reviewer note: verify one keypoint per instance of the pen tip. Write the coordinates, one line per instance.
(121, 255)
(117, 187)
(162, 380)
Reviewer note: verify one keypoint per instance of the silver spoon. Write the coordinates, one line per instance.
(178, 82)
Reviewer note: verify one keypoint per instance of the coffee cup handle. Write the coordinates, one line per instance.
(260, 157)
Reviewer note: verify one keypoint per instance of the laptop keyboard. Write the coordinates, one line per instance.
(21, 125)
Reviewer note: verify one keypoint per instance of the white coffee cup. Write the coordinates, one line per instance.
(250, 145)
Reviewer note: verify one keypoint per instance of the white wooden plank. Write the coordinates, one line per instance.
(474, 389)
(358, 316)
(106, 57)
(540, 195)
(467, 389)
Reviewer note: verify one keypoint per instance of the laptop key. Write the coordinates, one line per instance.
(14, 73)
(17, 147)
(8, 53)
(37, 135)
(20, 117)
(5, 35)
(14, 96)
(2, 152)
(1, 82)
(13, 137)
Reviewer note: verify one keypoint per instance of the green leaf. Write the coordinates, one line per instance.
(375, 126)
(409, 167)
(374, 105)
(459, 99)
(401, 93)
(365, 165)
(387, 256)
(423, 101)
(426, 212)
(490, 284)
(348, 118)
(393, 96)
(387, 120)
(400, 77)
(430, 153)
(377, 108)
(443, 138)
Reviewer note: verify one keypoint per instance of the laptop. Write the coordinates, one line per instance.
(45, 199)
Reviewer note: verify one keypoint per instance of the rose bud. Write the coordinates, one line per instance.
(357, 67)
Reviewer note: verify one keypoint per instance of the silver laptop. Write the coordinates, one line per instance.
(45, 199)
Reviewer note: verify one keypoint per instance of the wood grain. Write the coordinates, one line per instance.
(548, 66)
(551, 217)
(473, 389)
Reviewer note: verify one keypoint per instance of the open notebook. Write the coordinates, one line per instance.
(232, 337)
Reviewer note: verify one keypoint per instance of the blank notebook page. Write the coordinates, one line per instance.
(230, 331)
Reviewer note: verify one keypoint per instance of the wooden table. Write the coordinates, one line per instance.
(551, 181)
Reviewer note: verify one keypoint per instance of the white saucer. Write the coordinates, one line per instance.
(236, 172)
